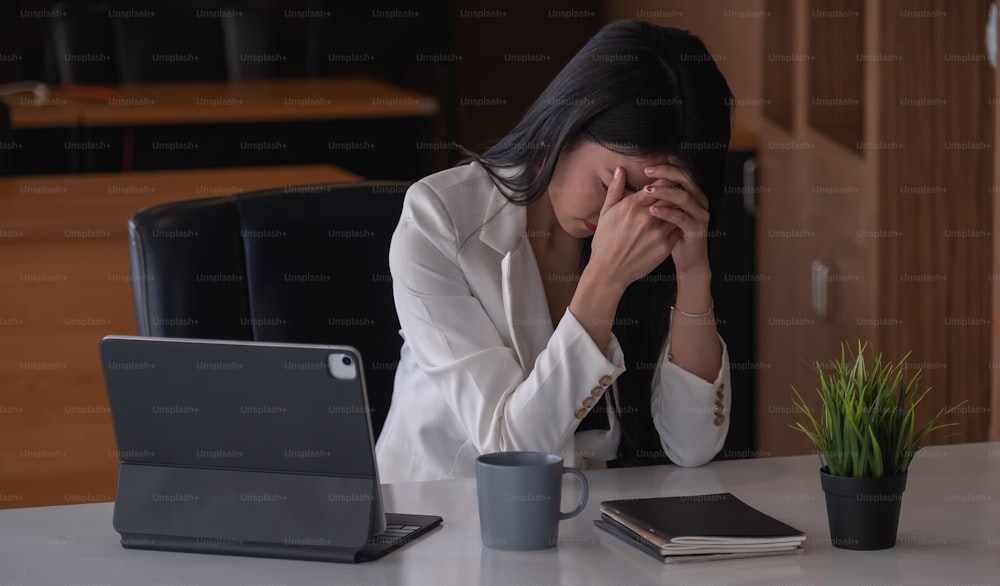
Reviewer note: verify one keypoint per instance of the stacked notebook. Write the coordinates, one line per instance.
(698, 528)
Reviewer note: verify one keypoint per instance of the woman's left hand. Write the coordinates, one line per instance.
(681, 202)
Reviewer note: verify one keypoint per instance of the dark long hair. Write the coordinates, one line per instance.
(642, 90)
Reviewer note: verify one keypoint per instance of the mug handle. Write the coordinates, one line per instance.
(583, 500)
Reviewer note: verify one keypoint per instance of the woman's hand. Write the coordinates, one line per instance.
(681, 203)
(630, 241)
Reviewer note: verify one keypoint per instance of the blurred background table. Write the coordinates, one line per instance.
(359, 123)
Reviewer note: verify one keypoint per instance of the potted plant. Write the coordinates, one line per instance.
(866, 437)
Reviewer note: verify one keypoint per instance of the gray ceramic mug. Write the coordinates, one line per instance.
(519, 497)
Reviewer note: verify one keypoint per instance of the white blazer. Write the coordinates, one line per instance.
(481, 369)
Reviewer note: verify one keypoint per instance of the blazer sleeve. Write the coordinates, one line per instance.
(501, 404)
(691, 414)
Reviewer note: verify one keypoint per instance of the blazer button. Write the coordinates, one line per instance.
(581, 413)
(719, 419)
(589, 402)
(605, 380)
(597, 392)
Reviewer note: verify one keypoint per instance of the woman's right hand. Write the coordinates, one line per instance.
(629, 241)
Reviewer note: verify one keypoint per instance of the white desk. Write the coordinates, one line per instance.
(949, 534)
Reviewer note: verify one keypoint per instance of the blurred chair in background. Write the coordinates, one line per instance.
(80, 48)
(103, 43)
(187, 47)
(250, 44)
(5, 139)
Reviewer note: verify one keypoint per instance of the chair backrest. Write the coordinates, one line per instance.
(80, 46)
(176, 45)
(301, 264)
(6, 163)
(250, 39)
(354, 39)
(96, 42)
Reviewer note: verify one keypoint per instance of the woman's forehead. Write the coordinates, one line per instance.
(605, 159)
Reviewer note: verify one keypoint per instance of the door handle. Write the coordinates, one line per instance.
(820, 289)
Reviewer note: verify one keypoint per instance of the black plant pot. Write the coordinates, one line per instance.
(863, 512)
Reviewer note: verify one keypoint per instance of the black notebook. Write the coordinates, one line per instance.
(698, 527)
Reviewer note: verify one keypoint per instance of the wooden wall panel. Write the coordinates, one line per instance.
(836, 81)
(782, 297)
(820, 191)
(779, 63)
(994, 189)
(936, 159)
(733, 32)
(813, 210)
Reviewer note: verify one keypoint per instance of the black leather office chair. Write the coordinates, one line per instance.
(80, 49)
(251, 44)
(306, 265)
(176, 45)
(353, 40)
(6, 164)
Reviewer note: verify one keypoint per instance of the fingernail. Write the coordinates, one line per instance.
(650, 170)
(649, 189)
(618, 172)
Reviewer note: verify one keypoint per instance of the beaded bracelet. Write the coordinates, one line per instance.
(711, 306)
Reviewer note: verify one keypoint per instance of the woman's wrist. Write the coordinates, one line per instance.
(695, 345)
(694, 291)
(594, 305)
(700, 274)
(604, 280)
(599, 288)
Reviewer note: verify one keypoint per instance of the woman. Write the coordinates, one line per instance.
(554, 292)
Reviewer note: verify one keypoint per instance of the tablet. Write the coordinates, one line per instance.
(247, 448)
